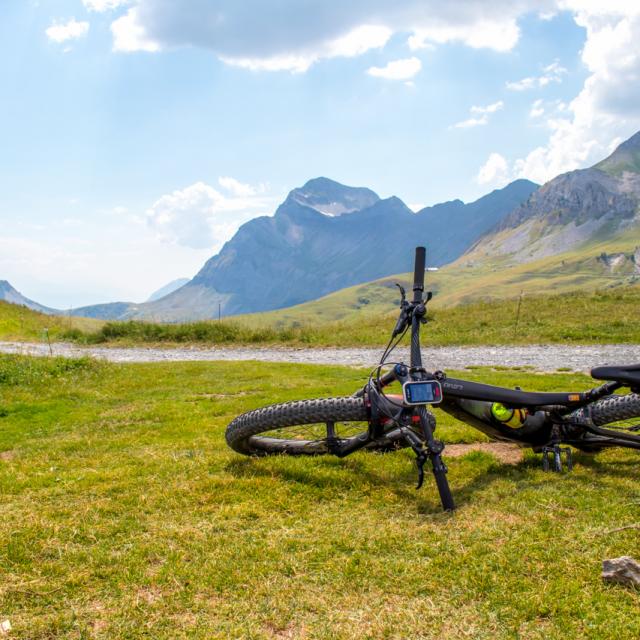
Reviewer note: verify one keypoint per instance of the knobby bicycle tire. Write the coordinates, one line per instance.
(616, 410)
(289, 427)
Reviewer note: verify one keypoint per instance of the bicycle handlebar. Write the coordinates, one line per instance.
(418, 274)
(388, 378)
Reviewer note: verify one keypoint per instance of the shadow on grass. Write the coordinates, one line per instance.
(337, 476)
(612, 470)
(354, 475)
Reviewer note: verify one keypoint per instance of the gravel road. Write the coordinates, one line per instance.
(540, 357)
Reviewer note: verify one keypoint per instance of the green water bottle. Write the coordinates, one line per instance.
(513, 418)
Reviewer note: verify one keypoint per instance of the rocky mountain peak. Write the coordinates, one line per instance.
(625, 159)
(332, 198)
(633, 143)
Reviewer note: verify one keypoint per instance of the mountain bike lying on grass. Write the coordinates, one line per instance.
(374, 420)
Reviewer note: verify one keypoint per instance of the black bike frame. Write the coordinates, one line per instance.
(471, 402)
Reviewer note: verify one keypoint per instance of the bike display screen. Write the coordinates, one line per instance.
(424, 392)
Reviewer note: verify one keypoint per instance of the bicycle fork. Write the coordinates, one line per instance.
(430, 449)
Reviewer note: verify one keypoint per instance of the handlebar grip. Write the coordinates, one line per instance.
(418, 274)
(388, 378)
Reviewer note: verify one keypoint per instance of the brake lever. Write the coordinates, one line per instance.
(403, 319)
(421, 454)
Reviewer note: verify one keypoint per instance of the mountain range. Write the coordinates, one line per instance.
(326, 236)
(323, 237)
(575, 208)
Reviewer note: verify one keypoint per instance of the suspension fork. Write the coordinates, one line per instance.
(433, 451)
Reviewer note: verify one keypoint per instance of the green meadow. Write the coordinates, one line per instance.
(603, 316)
(20, 323)
(125, 515)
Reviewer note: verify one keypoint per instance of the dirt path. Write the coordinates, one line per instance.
(540, 357)
(505, 452)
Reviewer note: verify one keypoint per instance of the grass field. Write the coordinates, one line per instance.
(20, 323)
(124, 515)
(607, 316)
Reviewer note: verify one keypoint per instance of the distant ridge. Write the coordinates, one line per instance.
(168, 288)
(9, 294)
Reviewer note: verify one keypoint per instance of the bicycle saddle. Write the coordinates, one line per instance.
(627, 374)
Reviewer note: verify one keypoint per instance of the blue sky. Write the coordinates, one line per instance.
(137, 135)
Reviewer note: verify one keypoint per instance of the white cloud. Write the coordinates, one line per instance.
(552, 73)
(130, 36)
(103, 5)
(606, 109)
(201, 217)
(71, 30)
(472, 122)
(482, 115)
(499, 35)
(522, 85)
(537, 110)
(235, 187)
(352, 44)
(359, 41)
(397, 69)
(293, 35)
(490, 108)
(295, 64)
(495, 171)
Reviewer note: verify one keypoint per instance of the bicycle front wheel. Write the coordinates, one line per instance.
(303, 427)
(617, 412)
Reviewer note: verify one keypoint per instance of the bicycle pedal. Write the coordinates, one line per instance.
(552, 458)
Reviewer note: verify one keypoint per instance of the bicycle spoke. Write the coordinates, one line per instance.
(315, 433)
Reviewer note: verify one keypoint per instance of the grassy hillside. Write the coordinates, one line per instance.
(600, 265)
(607, 316)
(125, 515)
(20, 323)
